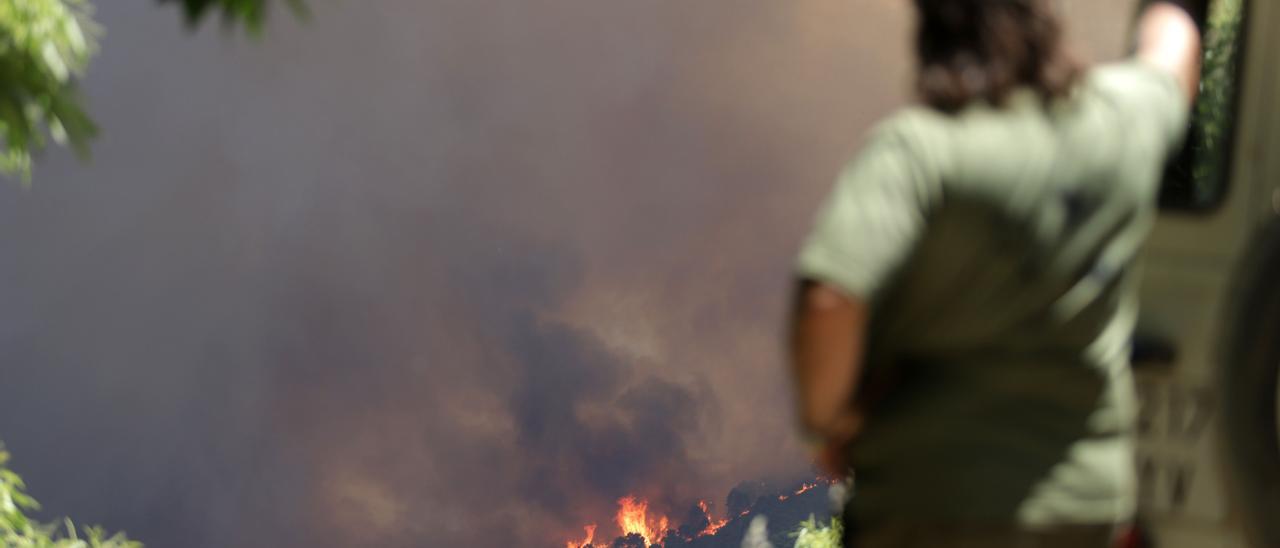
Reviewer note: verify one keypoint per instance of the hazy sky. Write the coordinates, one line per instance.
(431, 273)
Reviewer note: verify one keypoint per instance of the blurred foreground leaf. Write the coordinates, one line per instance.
(18, 531)
(251, 13)
(812, 534)
(44, 45)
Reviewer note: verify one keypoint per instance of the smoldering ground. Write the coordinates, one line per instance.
(435, 273)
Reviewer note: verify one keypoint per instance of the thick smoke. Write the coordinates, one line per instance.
(427, 273)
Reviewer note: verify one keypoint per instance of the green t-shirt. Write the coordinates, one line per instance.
(997, 249)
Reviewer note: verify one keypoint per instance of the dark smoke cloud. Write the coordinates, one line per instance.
(442, 273)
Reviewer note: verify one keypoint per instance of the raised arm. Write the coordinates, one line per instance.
(1169, 38)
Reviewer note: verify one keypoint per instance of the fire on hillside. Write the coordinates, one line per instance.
(641, 526)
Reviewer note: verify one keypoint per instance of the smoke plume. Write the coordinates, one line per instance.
(427, 273)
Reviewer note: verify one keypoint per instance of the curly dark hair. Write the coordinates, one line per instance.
(982, 50)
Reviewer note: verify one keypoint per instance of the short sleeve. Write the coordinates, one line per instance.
(1153, 96)
(872, 218)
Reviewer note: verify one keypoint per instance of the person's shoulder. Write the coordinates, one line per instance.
(1132, 79)
(914, 120)
(1141, 95)
(916, 136)
(915, 128)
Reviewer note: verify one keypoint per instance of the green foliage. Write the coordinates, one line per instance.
(812, 535)
(251, 13)
(1212, 117)
(18, 531)
(43, 45)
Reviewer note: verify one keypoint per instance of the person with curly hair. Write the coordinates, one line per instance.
(966, 298)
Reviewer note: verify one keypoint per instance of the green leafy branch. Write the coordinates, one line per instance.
(811, 534)
(1212, 115)
(251, 13)
(43, 45)
(19, 531)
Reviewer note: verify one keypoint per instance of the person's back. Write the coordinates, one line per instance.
(992, 248)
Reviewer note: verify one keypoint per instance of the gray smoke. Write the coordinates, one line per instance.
(426, 273)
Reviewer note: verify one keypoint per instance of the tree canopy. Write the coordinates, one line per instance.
(43, 45)
(46, 44)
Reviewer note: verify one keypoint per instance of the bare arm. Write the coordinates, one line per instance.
(1169, 39)
(827, 335)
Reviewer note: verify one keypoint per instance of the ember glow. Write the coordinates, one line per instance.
(713, 526)
(591, 535)
(806, 487)
(802, 489)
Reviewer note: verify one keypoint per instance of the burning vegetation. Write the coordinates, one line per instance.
(640, 525)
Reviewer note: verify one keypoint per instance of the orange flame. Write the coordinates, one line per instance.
(591, 535)
(806, 487)
(712, 525)
(633, 517)
(803, 487)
